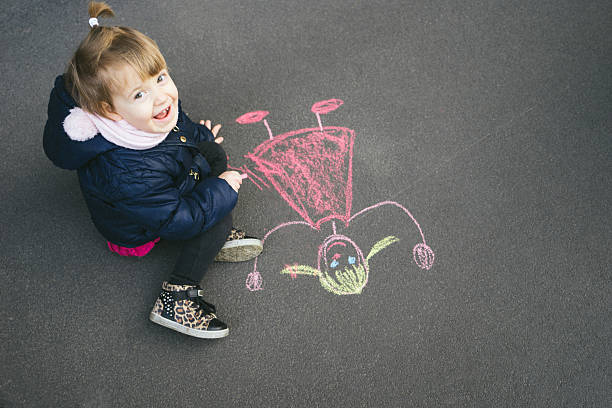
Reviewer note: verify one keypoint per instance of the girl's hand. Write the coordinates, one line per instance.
(214, 130)
(233, 178)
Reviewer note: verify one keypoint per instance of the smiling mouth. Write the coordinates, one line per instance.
(163, 114)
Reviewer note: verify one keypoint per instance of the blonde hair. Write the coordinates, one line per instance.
(89, 77)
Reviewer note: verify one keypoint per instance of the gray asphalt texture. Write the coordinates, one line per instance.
(490, 121)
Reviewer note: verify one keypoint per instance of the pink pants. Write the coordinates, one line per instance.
(139, 251)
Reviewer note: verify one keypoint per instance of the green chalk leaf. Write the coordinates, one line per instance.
(382, 244)
(300, 270)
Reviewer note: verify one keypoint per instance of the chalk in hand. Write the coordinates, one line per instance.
(244, 175)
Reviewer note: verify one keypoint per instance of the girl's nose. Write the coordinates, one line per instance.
(160, 98)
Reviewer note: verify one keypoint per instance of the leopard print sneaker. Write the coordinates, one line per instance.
(239, 247)
(181, 308)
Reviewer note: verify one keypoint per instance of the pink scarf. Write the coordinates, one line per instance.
(82, 126)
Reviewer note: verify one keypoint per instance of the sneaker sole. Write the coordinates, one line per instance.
(203, 334)
(239, 250)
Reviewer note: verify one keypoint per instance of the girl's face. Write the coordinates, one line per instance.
(150, 105)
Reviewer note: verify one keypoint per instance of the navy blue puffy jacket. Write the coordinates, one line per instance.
(135, 196)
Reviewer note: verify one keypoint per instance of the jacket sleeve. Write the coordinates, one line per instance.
(155, 203)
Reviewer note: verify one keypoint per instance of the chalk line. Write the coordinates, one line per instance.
(395, 204)
(254, 280)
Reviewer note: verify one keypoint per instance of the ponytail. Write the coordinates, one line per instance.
(88, 77)
(99, 9)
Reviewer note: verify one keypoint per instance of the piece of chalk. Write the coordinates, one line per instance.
(244, 175)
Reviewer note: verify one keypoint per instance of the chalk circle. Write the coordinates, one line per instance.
(326, 106)
(252, 117)
(349, 280)
(423, 256)
(253, 281)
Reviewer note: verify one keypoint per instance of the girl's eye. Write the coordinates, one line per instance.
(139, 95)
(161, 77)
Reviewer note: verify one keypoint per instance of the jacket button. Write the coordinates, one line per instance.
(183, 139)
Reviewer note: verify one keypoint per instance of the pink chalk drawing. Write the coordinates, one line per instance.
(311, 169)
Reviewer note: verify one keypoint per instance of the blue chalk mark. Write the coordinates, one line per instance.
(334, 263)
(351, 260)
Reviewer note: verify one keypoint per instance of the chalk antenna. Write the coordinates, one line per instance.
(324, 107)
(254, 117)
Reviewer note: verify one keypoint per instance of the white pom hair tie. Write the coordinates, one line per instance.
(93, 22)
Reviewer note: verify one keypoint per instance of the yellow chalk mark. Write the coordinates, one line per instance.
(382, 244)
(300, 270)
(346, 282)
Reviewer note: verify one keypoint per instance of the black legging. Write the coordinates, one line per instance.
(199, 252)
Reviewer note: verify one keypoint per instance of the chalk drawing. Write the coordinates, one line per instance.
(311, 169)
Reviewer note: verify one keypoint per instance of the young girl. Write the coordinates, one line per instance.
(145, 169)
